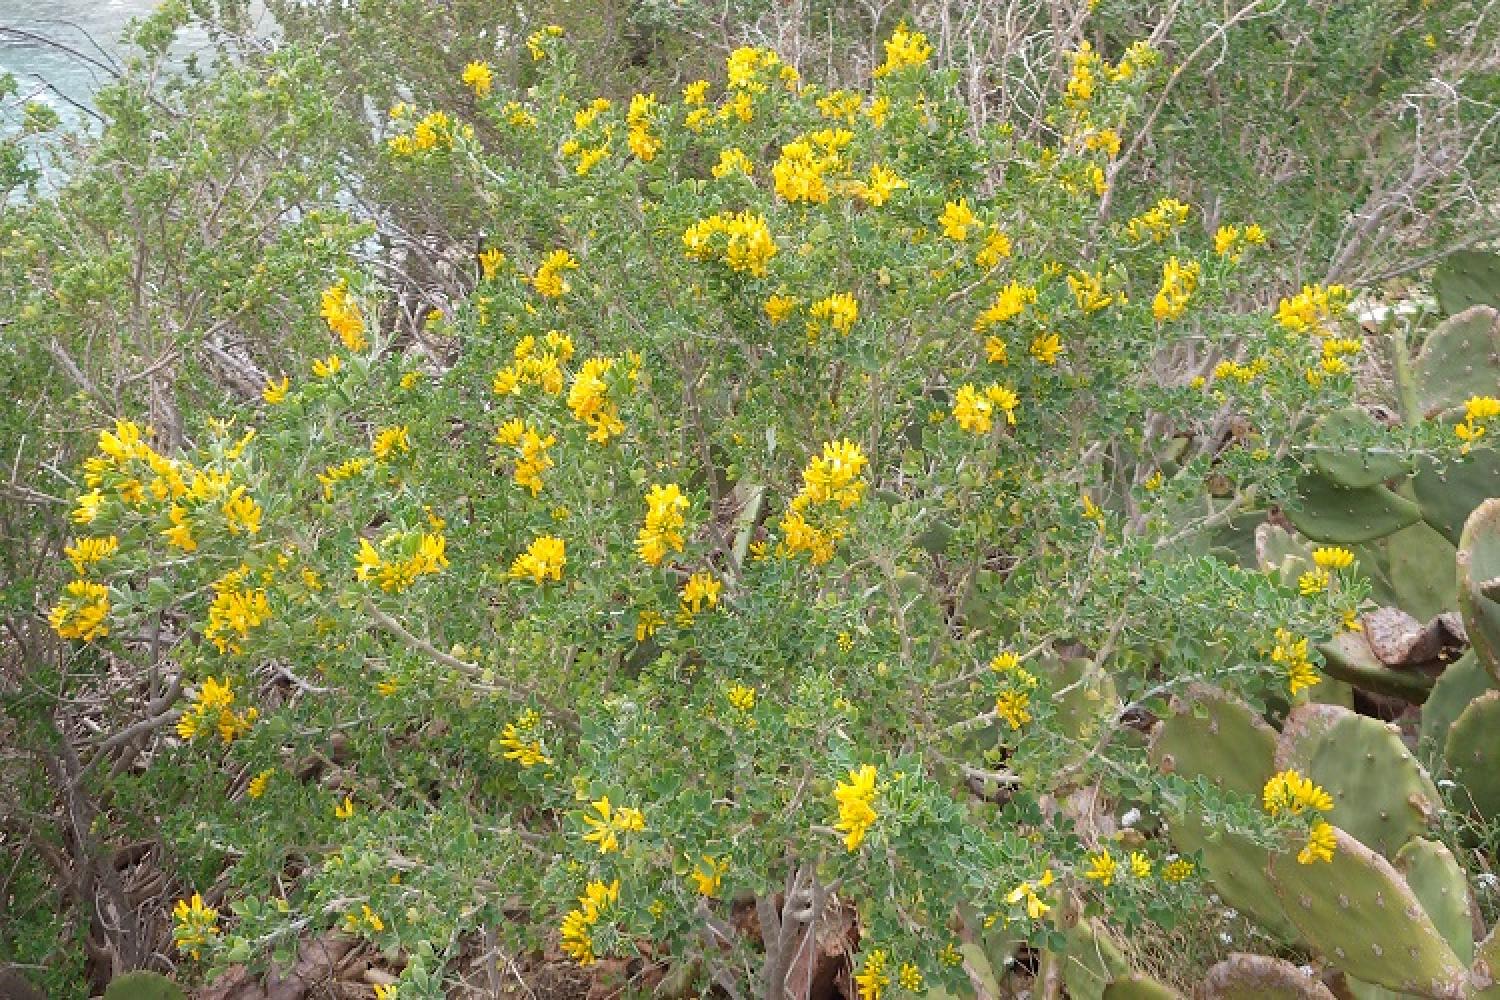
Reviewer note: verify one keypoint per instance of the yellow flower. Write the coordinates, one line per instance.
(872, 980)
(909, 978)
(1333, 557)
(193, 925)
(1178, 870)
(839, 311)
(257, 786)
(883, 183)
(605, 828)
(708, 875)
(741, 696)
(732, 160)
(855, 799)
(1140, 865)
(366, 918)
(88, 507)
(84, 552)
(695, 93)
(275, 392)
(834, 476)
(996, 248)
(596, 901)
(1289, 792)
(701, 589)
(589, 401)
(903, 49)
(995, 351)
(1313, 582)
(1312, 310)
(647, 623)
(1158, 223)
(543, 560)
(82, 613)
(549, 281)
(1321, 843)
(1178, 282)
(1102, 867)
(390, 439)
(345, 809)
(536, 42)
(490, 261)
(662, 532)
(342, 315)
(479, 77)
(742, 240)
(1088, 291)
(778, 307)
(956, 220)
(1013, 708)
(1036, 906)
(327, 367)
(1011, 301)
(1045, 347)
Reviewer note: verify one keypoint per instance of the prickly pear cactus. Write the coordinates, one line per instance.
(1412, 570)
(1360, 913)
(1216, 736)
(1336, 453)
(1460, 683)
(1473, 755)
(1085, 706)
(1381, 794)
(1281, 553)
(143, 986)
(1139, 988)
(1327, 512)
(1259, 977)
(1460, 358)
(1438, 882)
(1467, 278)
(1448, 492)
(1479, 583)
(1091, 961)
(1484, 978)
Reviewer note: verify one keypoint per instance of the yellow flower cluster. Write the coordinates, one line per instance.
(732, 160)
(212, 706)
(389, 440)
(996, 248)
(741, 239)
(589, 400)
(1157, 223)
(1313, 309)
(610, 822)
(522, 740)
(957, 219)
(550, 280)
(1088, 291)
(1103, 867)
(1291, 654)
(1332, 362)
(435, 130)
(1178, 282)
(490, 262)
(536, 364)
(839, 312)
(530, 452)
(365, 920)
(800, 173)
(1013, 702)
(745, 65)
(82, 613)
(341, 313)
(835, 477)
(1289, 793)
(193, 925)
(340, 473)
(701, 590)
(543, 560)
(741, 697)
(1009, 303)
(883, 183)
(1477, 410)
(258, 784)
(411, 557)
(665, 521)
(236, 609)
(708, 875)
(536, 42)
(903, 49)
(856, 804)
(872, 980)
(1240, 371)
(1029, 893)
(478, 77)
(1231, 241)
(974, 410)
(577, 936)
(638, 118)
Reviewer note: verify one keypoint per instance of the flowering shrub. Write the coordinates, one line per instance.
(806, 509)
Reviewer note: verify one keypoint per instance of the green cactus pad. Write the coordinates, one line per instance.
(1438, 882)
(1467, 278)
(1213, 735)
(1484, 979)
(1348, 657)
(1478, 568)
(1139, 988)
(1091, 961)
(1460, 683)
(1419, 564)
(1338, 454)
(1448, 492)
(1360, 913)
(1260, 977)
(1089, 700)
(1381, 794)
(1274, 545)
(1237, 869)
(1473, 755)
(1327, 512)
(1460, 358)
(143, 986)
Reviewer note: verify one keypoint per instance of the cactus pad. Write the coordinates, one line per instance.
(1478, 573)
(1359, 912)
(143, 986)
(1448, 492)
(1091, 961)
(1139, 987)
(1473, 755)
(1342, 452)
(1467, 278)
(1460, 358)
(1327, 512)
(1259, 977)
(1439, 884)
(1462, 682)
(1213, 735)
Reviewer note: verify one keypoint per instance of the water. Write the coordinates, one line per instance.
(64, 75)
